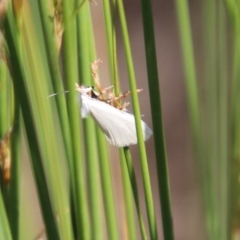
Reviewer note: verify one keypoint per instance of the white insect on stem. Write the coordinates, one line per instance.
(116, 122)
(111, 116)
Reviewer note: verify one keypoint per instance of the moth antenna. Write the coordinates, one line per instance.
(54, 94)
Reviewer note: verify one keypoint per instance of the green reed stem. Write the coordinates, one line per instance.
(13, 195)
(4, 118)
(18, 79)
(83, 25)
(53, 63)
(5, 232)
(128, 196)
(155, 100)
(136, 110)
(132, 178)
(70, 71)
(104, 167)
(45, 125)
(223, 123)
(189, 69)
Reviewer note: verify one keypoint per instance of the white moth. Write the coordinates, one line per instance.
(117, 125)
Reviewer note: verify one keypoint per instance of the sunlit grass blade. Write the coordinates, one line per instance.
(84, 26)
(52, 40)
(54, 67)
(5, 118)
(71, 76)
(46, 126)
(18, 79)
(4, 103)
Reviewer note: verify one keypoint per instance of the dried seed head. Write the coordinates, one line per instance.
(5, 157)
(58, 24)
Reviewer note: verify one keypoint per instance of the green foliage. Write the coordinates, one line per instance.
(49, 46)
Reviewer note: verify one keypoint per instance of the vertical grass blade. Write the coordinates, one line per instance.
(109, 12)
(18, 79)
(211, 158)
(109, 17)
(234, 190)
(104, 167)
(45, 125)
(136, 110)
(155, 100)
(132, 177)
(13, 195)
(5, 232)
(53, 63)
(107, 187)
(189, 69)
(223, 123)
(129, 207)
(4, 85)
(84, 35)
(71, 77)
(5, 112)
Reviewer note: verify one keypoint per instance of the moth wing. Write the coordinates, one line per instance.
(118, 126)
(84, 106)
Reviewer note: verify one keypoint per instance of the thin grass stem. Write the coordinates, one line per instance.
(5, 232)
(128, 196)
(83, 26)
(71, 76)
(155, 100)
(13, 191)
(132, 178)
(136, 110)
